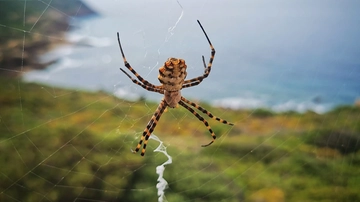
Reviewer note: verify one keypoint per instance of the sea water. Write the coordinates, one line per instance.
(263, 60)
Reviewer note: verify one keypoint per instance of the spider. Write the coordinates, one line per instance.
(172, 78)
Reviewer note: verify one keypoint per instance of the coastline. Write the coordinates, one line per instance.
(23, 56)
(23, 45)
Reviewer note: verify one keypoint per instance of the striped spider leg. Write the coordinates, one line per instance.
(172, 78)
(182, 103)
(198, 80)
(150, 127)
(127, 65)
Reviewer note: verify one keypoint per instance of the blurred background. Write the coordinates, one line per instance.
(285, 73)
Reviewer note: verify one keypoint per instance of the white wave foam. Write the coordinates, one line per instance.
(67, 63)
(57, 53)
(91, 41)
(126, 93)
(240, 103)
(300, 107)
(290, 105)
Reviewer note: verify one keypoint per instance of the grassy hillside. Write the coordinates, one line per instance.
(62, 145)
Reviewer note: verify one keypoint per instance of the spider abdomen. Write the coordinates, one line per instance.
(172, 74)
(172, 98)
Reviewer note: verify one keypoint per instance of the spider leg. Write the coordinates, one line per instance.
(150, 127)
(202, 120)
(127, 65)
(203, 59)
(149, 88)
(191, 84)
(206, 112)
(198, 80)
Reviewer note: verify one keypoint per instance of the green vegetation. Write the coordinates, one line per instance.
(62, 145)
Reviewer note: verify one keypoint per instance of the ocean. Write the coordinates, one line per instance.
(296, 56)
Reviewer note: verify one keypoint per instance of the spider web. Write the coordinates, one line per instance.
(280, 74)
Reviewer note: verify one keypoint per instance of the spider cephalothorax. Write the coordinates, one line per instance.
(172, 78)
(173, 74)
